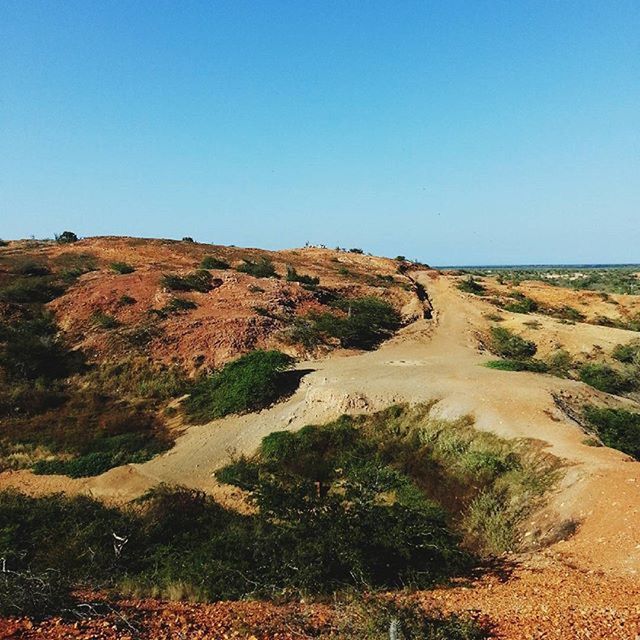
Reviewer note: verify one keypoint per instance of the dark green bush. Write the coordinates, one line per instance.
(250, 383)
(262, 268)
(32, 349)
(126, 300)
(366, 323)
(605, 378)
(66, 237)
(122, 267)
(32, 268)
(536, 366)
(507, 344)
(471, 285)
(176, 305)
(31, 290)
(521, 304)
(201, 281)
(294, 276)
(104, 320)
(187, 239)
(627, 353)
(617, 428)
(211, 262)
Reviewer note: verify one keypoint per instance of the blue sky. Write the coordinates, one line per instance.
(453, 132)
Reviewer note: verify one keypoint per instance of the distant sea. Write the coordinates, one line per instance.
(540, 267)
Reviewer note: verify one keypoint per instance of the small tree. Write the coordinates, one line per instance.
(66, 237)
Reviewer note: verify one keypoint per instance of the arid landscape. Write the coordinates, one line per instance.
(157, 395)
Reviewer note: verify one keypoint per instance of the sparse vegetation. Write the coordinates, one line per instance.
(520, 304)
(177, 305)
(250, 383)
(628, 353)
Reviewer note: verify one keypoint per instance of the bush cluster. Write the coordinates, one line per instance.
(250, 383)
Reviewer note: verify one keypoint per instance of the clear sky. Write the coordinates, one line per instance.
(453, 132)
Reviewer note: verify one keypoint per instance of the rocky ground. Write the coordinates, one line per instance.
(529, 599)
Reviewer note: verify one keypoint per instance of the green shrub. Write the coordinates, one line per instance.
(536, 366)
(3, 243)
(201, 281)
(521, 304)
(604, 378)
(400, 258)
(211, 262)
(262, 268)
(471, 285)
(126, 300)
(507, 344)
(72, 265)
(250, 383)
(122, 267)
(560, 363)
(294, 276)
(616, 428)
(303, 331)
(344, 506)
(104, 320)
(373, 618)
(177, 305)
(187, 239)
(628, 353)
(32, 350)
(360, 251)
(31, 290)
(66, 237)
(368, 321)
(113, 451)
(32, 268)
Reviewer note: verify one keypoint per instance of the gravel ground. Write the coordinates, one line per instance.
(536, 599)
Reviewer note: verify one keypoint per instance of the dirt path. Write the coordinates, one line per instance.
(429, 360)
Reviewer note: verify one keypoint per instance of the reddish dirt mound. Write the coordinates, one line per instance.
(239, 314)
